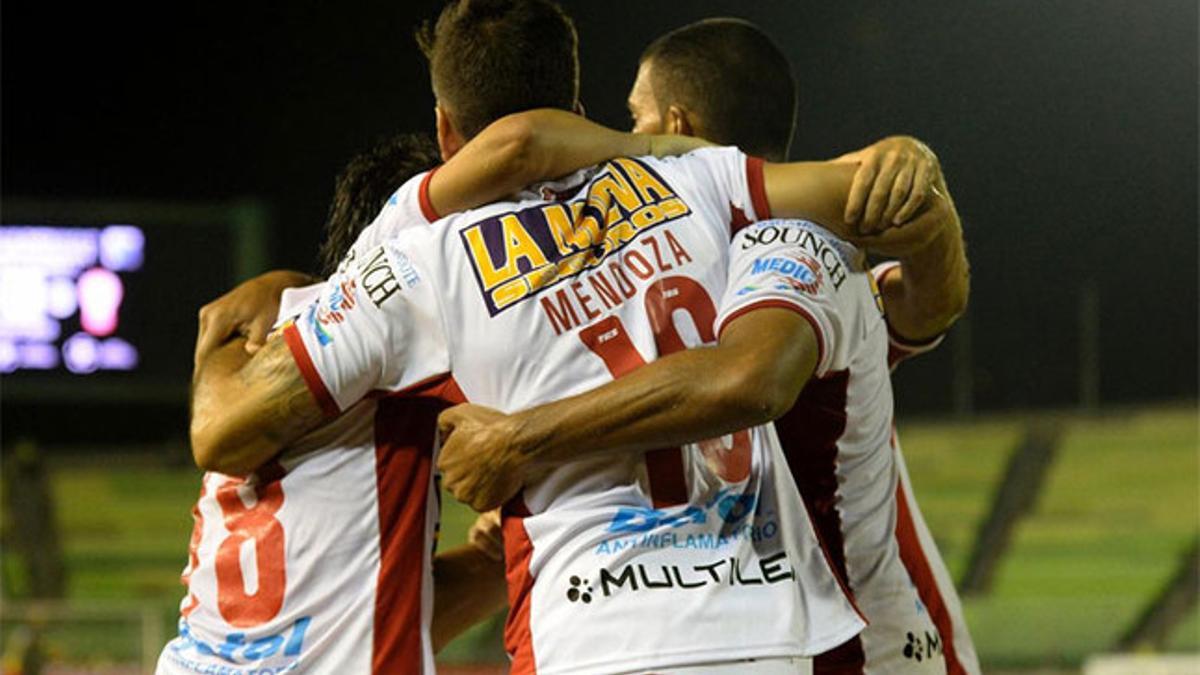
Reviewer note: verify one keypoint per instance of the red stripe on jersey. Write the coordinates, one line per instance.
(758, 188)
(518, 550)
(664, 470)
(441, 386)
(809, 434)
(737, 221)
(405, 429)
(194, 550)
(781, 304)
(291, 337)
(427, 209)
(913, 557)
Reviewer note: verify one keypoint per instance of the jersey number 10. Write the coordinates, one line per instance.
(609, 340)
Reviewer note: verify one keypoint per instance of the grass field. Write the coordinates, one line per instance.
(1121, 503)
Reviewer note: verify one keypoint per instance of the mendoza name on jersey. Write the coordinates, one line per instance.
(517, 254)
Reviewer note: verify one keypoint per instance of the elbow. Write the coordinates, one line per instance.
(205, 454)
(208, 456)
(217, 452)
(758, 396)
(517, 146)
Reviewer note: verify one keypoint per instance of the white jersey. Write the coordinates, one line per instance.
(917, 546)
(320, 561)
(520, 303)
(840, 447)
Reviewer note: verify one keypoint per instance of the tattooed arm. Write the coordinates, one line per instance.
(245, 409)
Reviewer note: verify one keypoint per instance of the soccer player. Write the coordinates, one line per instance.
(279, 561)
(227, 445)
(878, 538)
(341, 522)
(521, 302)
(682, 88)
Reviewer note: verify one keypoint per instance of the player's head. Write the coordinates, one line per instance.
(490, 58)
(364, 186)
(721, 79)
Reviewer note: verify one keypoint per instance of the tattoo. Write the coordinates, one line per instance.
(289, 406)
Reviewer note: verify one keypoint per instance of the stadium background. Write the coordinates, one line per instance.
(1052, 440)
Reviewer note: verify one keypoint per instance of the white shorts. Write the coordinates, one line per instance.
(772, 666)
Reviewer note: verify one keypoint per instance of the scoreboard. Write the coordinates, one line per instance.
(98, 300)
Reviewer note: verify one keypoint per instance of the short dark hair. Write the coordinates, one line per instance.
(490, 58)
(364, 187)
(730, 74)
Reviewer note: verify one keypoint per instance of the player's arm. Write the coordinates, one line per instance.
(248, 310)
(928, 291)
(534, 145)
(468, 582)
(892, 179)
(245, 409)
(762, 361)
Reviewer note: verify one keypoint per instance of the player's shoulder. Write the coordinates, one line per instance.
(785, 232)
(709, 155)
(817, 259)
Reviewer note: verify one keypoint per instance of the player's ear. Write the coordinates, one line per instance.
(449, 140)
(678, 122)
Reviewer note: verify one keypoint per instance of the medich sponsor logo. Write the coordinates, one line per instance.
(804, 238)
(797, 271)
(378, 278)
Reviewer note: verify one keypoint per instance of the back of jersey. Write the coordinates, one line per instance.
(525, 302)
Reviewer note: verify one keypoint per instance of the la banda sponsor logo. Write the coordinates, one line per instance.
(516, 255)
(642, 578)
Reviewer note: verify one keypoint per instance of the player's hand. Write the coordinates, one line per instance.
(248, 310)
(479, 462)
(487, 535)
(930, 222)
(894, 179)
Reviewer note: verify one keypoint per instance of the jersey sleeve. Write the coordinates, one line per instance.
(375, 326)
(770, 267)
(727, 181)
(900, 348)
(294, 300)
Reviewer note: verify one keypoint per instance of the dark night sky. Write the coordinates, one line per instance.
(1068, 132)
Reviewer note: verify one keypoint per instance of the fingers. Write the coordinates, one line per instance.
(912, 236)
(257, 330)
(864, 178)
(487, 536)
(850, 157)
(447, 421)
(922, 182)
(900, 189)
(212, 332)
(880, 192)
